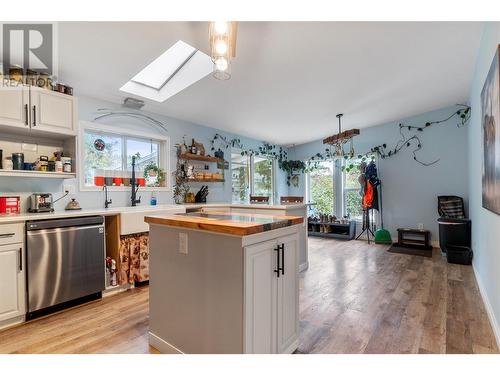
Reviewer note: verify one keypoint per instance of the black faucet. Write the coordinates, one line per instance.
(107, 201)
(133, 198)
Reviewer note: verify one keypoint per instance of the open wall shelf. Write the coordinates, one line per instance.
(210, 159)
(35, 174)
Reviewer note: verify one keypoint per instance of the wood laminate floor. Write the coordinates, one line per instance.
(354, 298)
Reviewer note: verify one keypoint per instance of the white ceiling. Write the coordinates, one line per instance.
(289, 79)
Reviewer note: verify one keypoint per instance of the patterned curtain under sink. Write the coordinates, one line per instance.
(134, 258)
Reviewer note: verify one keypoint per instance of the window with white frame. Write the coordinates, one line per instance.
(334, 191)
(262, 177)
(352, 199)
(107, 159)
(251, 175)
(240, 177)
(321, 188)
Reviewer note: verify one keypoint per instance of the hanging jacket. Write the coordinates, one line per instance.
(371, 173)
(369, 195)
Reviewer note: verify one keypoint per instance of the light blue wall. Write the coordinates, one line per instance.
(485, 224)
(410, 189)
(219, 192)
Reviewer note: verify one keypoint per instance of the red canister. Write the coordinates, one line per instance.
(99, 180)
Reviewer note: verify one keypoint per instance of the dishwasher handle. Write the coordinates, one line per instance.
(64, 222)
(63, 230)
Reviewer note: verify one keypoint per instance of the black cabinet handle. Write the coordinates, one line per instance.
(26, 115)
(3, 235)
(282, 268)
(20, 259)
(277, 270)
(34, 115)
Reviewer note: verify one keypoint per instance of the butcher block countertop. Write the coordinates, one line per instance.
(223, 222)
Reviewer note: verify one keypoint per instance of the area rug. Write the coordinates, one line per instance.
(407, 250)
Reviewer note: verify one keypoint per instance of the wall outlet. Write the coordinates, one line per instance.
(420, 226)
(29, 147)
(69, 188)
(183, 243)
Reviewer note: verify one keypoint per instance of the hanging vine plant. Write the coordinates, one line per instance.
(292, 168)
(409, 137)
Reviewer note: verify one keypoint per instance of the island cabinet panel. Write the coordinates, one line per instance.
(271, 296)
(195, 293)
(288, 296)
(260, 298)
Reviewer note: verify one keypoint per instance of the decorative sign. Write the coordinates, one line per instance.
(99, 144)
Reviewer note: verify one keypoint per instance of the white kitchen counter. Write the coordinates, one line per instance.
(83, 212)
(4, 218)
(290, 206)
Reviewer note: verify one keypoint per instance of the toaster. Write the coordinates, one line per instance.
(41, 202)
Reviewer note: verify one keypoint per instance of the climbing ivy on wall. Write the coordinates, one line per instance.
(410, 138)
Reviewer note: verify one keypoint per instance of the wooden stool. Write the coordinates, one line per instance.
(414, 238)
(259, 199)
(291, 199)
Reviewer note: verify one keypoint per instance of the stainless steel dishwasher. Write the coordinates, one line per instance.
(65, 263)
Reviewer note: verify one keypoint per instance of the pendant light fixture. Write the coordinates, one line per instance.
(222, 38)
(339, 140)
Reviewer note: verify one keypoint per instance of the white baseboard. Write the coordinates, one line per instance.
(162, 346)
(489, 310)
(292, 347)
(9, 323)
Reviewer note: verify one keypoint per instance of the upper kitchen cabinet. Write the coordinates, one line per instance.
(14, 107)
(28, 109)
(52, 111)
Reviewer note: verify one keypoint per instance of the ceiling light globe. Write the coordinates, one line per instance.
(221, 64)
(221, 27)
(221, 47)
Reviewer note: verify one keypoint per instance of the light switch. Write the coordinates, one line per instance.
(183, 243)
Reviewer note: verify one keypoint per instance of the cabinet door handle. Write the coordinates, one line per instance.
(4, 235)
(282, 247)
(34, 115)
(20, 259)
(26, 115)
(277, 270)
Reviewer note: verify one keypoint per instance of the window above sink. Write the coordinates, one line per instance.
(106, 158)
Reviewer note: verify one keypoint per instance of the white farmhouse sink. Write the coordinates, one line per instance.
(132, 218)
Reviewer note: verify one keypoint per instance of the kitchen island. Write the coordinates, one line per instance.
(224, 282)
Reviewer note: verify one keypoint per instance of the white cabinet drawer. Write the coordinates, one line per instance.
(11, 233)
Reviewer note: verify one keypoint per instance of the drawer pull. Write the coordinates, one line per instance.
(5, 235)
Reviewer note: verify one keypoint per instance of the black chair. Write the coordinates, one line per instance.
(454, 227)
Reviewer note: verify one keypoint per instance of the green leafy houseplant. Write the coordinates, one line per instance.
(152, 170)
(292, 168)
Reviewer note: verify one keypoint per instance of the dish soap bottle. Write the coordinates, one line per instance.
(153, 199)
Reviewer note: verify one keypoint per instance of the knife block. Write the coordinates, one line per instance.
(197, 199)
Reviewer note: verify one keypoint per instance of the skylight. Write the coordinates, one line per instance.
(177, 68)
